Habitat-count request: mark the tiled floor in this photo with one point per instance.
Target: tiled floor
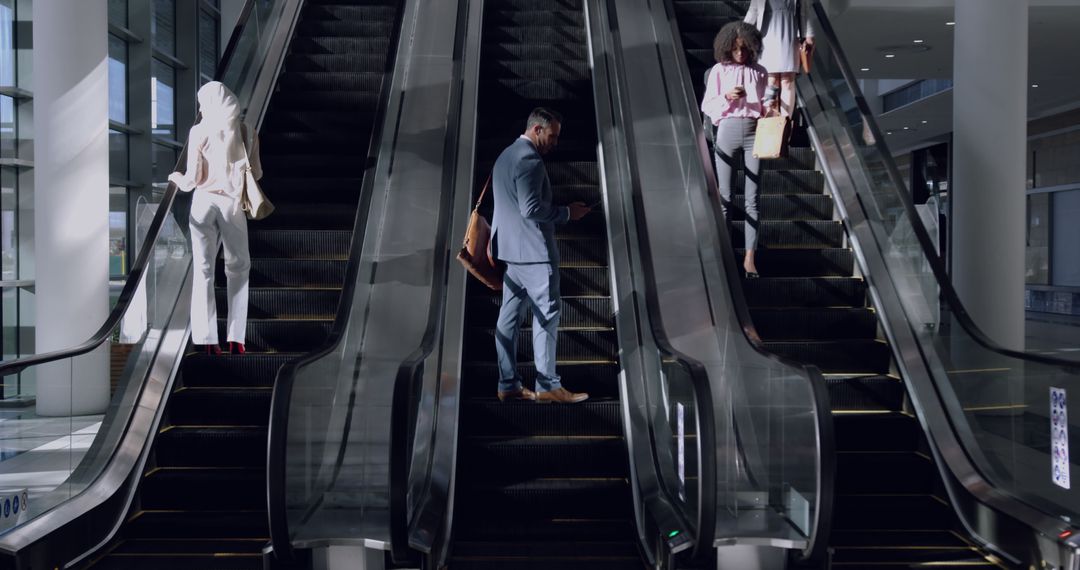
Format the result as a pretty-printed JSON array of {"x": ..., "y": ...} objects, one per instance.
[{"x": 1055, "y": 335}]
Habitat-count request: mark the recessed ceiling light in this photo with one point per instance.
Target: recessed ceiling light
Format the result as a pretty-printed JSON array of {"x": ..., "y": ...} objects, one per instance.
[
  {"x": 1034, "y": 84},
  {"x": 924, "y": 122},
  {"x": 889, "y": 133},
  {"x": 865, "y": 69},
  {"x": 906, "y": 128},
  {"x": 950, "y": 23},
  {"x": 919, "y": 41},
  {"x": 890, "y": 55}
]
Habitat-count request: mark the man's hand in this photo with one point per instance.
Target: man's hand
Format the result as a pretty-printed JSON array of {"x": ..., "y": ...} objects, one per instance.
[{"x": 578, "y": 210}]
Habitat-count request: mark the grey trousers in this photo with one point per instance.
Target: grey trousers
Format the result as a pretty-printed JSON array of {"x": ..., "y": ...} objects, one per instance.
[
  {"x": 732, "y": 135},
  {"x": 529, "y": 288}
]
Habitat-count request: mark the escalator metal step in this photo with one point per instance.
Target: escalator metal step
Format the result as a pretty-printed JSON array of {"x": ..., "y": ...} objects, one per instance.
[
  {"x": 816, "y": 323},
  {"x": 788, "y": 207},
  {"x": 525, "y": 458},
  {"x": 317, "y": 273},
  {"x": 481, "y": 378},
  {"x": 806, "y": 292},
  {"x": 280, "y": 335},
  {"x": 594, "y": 417},
  {"x": 577, "y": 345},
  {"x": 804, "y": 262},
  {"x": 837, "y": 356},
  {"x": 331, "y": 80},
  {"x": 211, "y": 524},
  {"x": 204, "y": 489},
  {"x": 219, "y": 406},
  {"x": 794, "y": 234},
  {"x": 885, "y": 472},
  {"x": 251, "y": 369},
  {"x": 204, "y": 446},
  {"x": 867, "y": 393},
  {"x": 299, "y": 244}
]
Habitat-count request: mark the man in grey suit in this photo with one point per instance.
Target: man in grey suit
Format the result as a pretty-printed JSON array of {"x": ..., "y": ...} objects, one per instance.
[{"x": 523, "y": 236}]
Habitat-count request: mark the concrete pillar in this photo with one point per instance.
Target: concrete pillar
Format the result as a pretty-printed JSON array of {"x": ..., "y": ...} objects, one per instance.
[
  {"x": 71, "y": 199},
  {"x": 990, "y": 140}
]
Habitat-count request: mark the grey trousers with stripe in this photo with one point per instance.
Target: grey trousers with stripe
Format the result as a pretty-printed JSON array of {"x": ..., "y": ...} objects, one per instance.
[{"x": 734, "y": 134}]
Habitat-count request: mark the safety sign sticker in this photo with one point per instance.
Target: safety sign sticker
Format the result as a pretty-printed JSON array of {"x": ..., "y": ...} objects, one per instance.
[{"x": 1059, "y": 437}]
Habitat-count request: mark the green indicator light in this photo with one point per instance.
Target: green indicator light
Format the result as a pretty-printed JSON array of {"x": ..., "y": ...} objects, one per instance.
[{"x": 673, "y": 534}]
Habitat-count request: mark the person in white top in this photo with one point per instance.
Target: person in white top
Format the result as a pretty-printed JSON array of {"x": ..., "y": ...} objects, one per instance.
[
  {"x": 786, "y": 29},
  {"x": 218, "y": 158}
]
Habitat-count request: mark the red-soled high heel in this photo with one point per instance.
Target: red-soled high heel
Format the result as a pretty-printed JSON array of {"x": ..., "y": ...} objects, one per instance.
[{"x": 236, "y": 348}]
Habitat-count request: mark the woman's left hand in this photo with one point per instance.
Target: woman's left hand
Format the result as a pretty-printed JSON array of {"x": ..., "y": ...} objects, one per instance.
[{"x": 808, "y": 43}]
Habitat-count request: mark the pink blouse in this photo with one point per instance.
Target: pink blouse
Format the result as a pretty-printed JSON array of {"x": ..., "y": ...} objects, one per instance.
[{"x": 723, "y": 77}]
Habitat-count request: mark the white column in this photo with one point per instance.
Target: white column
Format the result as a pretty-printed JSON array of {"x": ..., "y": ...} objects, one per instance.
[
  {"x": 71, "y": 199},
  {"x": 990, "y": 140}
]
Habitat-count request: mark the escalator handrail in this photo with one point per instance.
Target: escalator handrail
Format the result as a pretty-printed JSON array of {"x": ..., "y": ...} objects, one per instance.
[
  {"x": 142, "y": 260},
  {"x": 281, "y": 396},
  {"x": 407, "y": 383},
  {"x": 937, "y": 265},
  {"x": 704, "y": 526},
  {"x": 818, "y": 539}
]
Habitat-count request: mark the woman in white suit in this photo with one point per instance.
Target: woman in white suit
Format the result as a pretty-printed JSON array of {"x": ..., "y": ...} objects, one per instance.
[
  {"x": 218, "y": 158},
  {"x": 786, "y": 29}
]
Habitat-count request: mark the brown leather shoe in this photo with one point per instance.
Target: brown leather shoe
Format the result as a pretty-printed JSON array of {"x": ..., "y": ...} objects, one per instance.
[
  {"x": 562, "y": 396},
  {"x": 519, "y": 394}
]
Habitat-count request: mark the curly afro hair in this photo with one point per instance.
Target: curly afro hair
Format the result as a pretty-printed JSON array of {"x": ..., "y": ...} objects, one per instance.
[{"x": 724, "y": 43}]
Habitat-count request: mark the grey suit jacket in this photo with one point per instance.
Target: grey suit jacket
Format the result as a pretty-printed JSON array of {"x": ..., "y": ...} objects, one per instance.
[{"x": 523, "y": 226}]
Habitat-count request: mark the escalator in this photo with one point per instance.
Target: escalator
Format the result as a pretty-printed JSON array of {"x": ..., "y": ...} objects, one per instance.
[
  {"x": 202, "y": 497},
  {"x": 544, "y": 485},
  {"x": 811, "y": 305}
]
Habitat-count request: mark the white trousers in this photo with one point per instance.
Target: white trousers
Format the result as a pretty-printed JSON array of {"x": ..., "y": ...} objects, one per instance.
[{"x": 216, "y": 222}]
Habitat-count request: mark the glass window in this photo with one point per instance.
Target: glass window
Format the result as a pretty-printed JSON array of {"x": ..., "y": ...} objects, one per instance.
[
  {"x": 163, "y": 26},
  {"x": 9, "y": 231},
  {"x": 118, "y": 59},
  {"x": 118, "y": 156},
  {"x": 164, "y": 162},
  {"x": 8, "y": 134},
  {"x": 7, "y": 42},
  {"x": 1054, "y": 159},
  {"x": 118, "y": 13},
  {"x": 208, "y": 45},
  {"x": 118, "y": 218},
  {"x": 1065, "y": 207},
  {"x": 11, "y": 324},
  {"x": 163, "y": 100},
  {"x": 1038, "y": 240}
]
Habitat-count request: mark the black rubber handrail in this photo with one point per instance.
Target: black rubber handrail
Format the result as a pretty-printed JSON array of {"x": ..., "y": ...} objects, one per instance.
[
  {"x": 409, "y": 380},
  {"x": 142, "y": 260},
  {"x": 900, "y": 188},
  {"x": 281, "y": 398},
  {"x": 818, "y": 540}
]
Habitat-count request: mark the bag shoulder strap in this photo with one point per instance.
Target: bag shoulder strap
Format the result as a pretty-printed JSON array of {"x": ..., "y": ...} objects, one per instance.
[{"x": 482, "y": 193}]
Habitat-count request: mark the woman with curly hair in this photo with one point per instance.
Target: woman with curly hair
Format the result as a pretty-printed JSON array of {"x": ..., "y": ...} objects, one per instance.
[
  {"x": 734, "y": 100},
  {"x": 785, "y": 29}
]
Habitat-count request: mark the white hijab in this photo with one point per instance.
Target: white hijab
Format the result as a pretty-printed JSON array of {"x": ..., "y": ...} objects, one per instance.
[{"x": 221, "y": 125}]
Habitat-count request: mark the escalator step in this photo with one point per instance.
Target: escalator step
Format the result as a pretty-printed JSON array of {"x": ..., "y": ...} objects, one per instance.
[
  {"x": 480, "y": 379},
  {"x": 797, "y": 159},
  {"x": 574, "y": 345},
  {"x": 279, "y": 335},
  {"x": 884, "y": 472},
  {"x": 534, "y": 52},
  {"x": 806, "y": 292},
  {"x": 338, "y": 48},
  {"x": 692, "y": 12},
  {"x": 354, "y": 28},
  {"x": 204, "y": 489},
  {"x": 547, "y": 5},
  {"x": 786, "y": 182},
  {"x": 181, "y": 561},
  {"x": 911, "y": 557},
  {"x": 523, "y": 459},
  {"x": 877, "y": 432},
  {"x": 220, "y": 406},
  {"x": 283, "y": 143},
  {"x": 535, "y": 18},
  {"x": 295, "y": 165},
  {"x": 568, "y": 529},
  {"x": 817, "y": 323},
  {"x": 540, "y": 499},
  {"x": 340, "y": 101},
  {"x": 786, "y": 207},
  {"x": 304, "y": 80},
  {"x": 329, "y": 126},
  {"x": 575, "y": 311},
  {"x": 300, "y": 244},
  {"x": 280, "y": 303},
  {"x": 593, "y": 417},
  {"x": 308, "y": 217},
  {"x": 534, "y": 34},
  {"x": 582, "y": 252},
  {"x": 583, "y": 562},
  {"x": 866, "y": 393},
  {"x": 346, "y": 12},
  {"x": 892, "y": 512},
  {"x": 233, "y": 370},
  {"x": 569, "y": 92},
  {"x": 793, "y": 235},
  {"x": 216, "y": 525},
  {"x": 837, "y": 356},
  {"x": 810, "y": 262},
  {"x": 931, "y": 538},
  {"x": 317, "y": 273},
  {"x": 580, "y": 553},
  {"x": 211, "y": 447},
  {"x": 148, "y": 546},
  {"x": 565, "y": 70},
  {"x": 343, "y": 191}
]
